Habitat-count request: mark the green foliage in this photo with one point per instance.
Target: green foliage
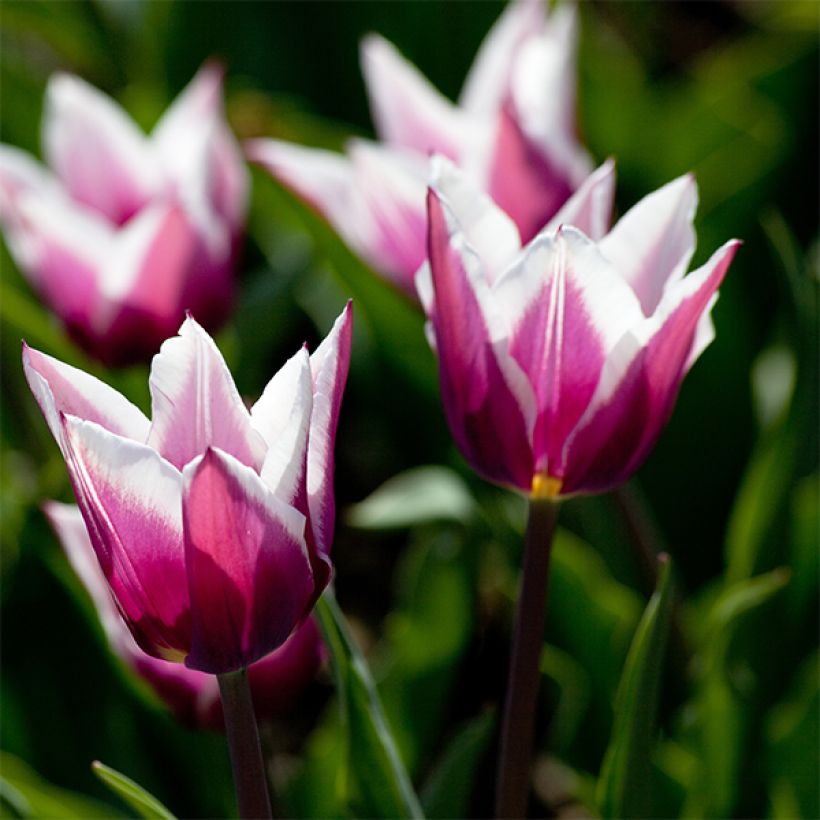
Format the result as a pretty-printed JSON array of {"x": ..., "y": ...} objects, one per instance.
[
  {"x": 625, "y": 784},
  {"x": 24, "y": 794},
  {"x": 376, "y": 783},
  {"x": 728, "y": 692},
  {"x": 146, "y": 805},
  {"x": 448, "y": 789}
]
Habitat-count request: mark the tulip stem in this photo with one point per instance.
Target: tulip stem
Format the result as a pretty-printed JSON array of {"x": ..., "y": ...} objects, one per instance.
[
  {"x": 517, "y": 730},
  {"x": 243, "y": 743}
]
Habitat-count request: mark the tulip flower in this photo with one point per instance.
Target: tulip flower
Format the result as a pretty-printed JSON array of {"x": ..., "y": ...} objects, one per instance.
[
  {"x": 122, "y": 233},
  {"x": 513, "y": 131},
  {"x": 276, "y": 680},
  {"x": 212, "y": 524},
  {"x": 560, "y": 361}
]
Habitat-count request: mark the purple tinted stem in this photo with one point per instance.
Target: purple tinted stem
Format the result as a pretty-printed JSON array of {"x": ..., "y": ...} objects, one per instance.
[
  {"x": 243, "y": 743},
  {"x": 515, "y": 759}
]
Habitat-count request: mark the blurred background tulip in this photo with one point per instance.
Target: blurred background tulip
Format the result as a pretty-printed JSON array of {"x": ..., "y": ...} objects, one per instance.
[
  {"x": 121, "y": 233},
  {"x": 513, "y": 130}
]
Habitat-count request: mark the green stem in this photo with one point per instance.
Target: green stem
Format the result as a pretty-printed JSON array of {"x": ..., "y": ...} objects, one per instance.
[
  {"x": 243, "y": 743},
  {"x": 515, "y": 758}
]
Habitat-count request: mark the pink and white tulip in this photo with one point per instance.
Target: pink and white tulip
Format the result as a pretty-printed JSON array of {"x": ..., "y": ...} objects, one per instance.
[
  {"x": 513, "y": 131},
  {"x": 123, "y": 233},
  {"x": 560, "y": 361},
  {"x": 276, "y": 680},
  {"x": 212, "y": 523}
]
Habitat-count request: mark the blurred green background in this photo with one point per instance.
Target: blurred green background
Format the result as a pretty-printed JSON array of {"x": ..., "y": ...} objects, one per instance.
[{"x": 426, "y": 568}]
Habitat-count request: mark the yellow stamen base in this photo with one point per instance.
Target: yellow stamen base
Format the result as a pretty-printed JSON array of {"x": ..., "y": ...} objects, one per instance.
[
  {"x": 173, "y": 655},
  {"x": 545, "y": 486}
]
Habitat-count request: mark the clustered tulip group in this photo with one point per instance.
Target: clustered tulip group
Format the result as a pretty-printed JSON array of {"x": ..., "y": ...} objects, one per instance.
[{"x": 204, "y": 534}]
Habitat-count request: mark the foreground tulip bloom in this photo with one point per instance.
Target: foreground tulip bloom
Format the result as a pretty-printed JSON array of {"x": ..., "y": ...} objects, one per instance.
[
  {"x": 212, "y": 524},
  {"x": 276, "y": 680},
  {"x": 513, "y": 131},
  {"x": 560, "y": 363},
  {"x": 123, "y": 233}
]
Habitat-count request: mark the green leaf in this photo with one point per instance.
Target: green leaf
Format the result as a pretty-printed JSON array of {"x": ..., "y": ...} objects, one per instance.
[
  {"x": 580, "y": 582},
  {"x": 573, "y": 696},
  {"x": 377, "y": 782},
  {"x": 727, "y": 695},
  {"x": 425, "y": 638},
  {"x": 624, "y": 789},
  {"x": 146, "y": 805},
  {"x": 792, "y": 732},
  {"x": 418, "y": 496},
  {"x": 23, "y": 793},
  {"x": 447, "y": 790}
]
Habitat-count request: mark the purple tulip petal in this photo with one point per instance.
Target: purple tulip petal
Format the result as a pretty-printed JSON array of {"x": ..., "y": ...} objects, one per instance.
[
  {"x": 329, "y": 364},
  {"x": 144, "y": 280},
  {"x": 62, "y": 389},
  {"x": 131, "y": 500},
  {"x": 96, "y": 150},
  {"x": 653, "y": 242},
  {"x": 195, "y": 402},
  {"x": 486, "y": 418},
  {"x": 567, "y": 309},
  {"x": 407, "y": 110},
  {"x": 248, "y": 568},
  {"x": 391, "y": 185},
  {"x": 524, "y": 181},
  {"x": 639, "y": 384}
]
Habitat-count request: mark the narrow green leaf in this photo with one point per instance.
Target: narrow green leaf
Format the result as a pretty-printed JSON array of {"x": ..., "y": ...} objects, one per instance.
[
  {"x": 448, "y": 788},
  {"x": 418, "y": 496},
  {"x": 792, "y": 730},
  {"x": 727, "y": 695},
  {"x": 377, "y": 782},
  {"x": 573, "y": 696},
  {"x": 23, "y": 793},
  {"x": 146, "y": 805},
  {"x": 624, "y": 789}
]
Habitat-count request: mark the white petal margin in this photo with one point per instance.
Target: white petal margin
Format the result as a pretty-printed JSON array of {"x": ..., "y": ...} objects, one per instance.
[
  {"x": 653, "y": 242},
  {"x": 590, "y": 208},
  {"x": 489, "y": 79},
  {"x": 489, "y": 231},
  {"x": 132, "y": 503},
  {"x": 641, "y": 334},
  {"x": 329, "y": 366},
  {"x": 282, "y": 418},
  {"x": 195, "y": 403},
  {"x": 93, "y": 145},
  {"x": 61, "y": 388},
  {"x": 197, "y": 105},
  {"x": 408, "y": 111}
]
